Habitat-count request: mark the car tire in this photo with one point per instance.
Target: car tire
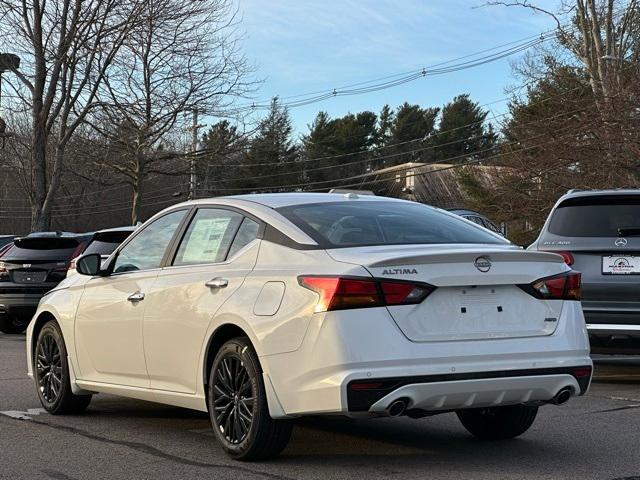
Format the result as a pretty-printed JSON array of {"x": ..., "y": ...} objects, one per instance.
[
  {"x": 11, "y": 325},
  {"x": 498, "y": 423},
  {"x": 51, "y": 373},
  {"x": 238, "y": 407}
]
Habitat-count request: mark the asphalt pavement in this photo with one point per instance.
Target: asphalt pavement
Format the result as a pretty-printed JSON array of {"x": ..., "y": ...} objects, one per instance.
[{"x": 591, "y": 437}]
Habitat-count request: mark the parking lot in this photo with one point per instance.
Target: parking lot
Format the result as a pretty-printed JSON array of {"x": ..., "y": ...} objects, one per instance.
[{"x": 593, "y": 437}]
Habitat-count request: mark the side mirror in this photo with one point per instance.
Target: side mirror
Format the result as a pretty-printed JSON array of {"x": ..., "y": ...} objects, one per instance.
[{"x": 89, "y": 264}]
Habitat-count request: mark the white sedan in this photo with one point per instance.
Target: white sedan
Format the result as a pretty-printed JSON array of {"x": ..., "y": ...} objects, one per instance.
[{"x": 263, "y": 308}]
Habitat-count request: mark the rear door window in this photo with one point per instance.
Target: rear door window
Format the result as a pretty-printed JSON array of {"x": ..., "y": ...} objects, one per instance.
[
  {"x": 247, "y": 233},
  {"x": 595, "y": 216},
  {"x": 209, "y": 236}
]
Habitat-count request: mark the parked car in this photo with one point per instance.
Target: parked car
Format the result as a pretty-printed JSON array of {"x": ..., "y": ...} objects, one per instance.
[
  {"x": 478, "y": 218},
  {"x": 103, "y": 242},
  {"x": 29, "y": 268},
  {"x": 598, "y": 233},
  {"x": 6, "y": 240},
  {"x": 264, "y": 308}
]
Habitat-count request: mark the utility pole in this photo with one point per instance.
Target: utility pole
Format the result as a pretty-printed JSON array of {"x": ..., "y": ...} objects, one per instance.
[{"x": 194, "y": 149}]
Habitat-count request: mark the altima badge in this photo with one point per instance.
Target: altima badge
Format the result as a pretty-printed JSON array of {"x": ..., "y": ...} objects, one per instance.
[{"x": 483, "y": 264}]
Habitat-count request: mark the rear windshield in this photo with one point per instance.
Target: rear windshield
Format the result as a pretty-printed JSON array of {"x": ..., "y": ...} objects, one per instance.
[
  {"x": 595, "y": 217},
  {"x": 349, "y": 224},
  {"x": 104, "y": 243},
  {"x": 41, "y": 249}
]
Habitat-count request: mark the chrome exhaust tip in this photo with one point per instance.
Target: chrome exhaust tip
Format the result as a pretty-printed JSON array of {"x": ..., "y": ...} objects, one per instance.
[
  {"x": 562, "y": 396},
  {"x": 397, "y": 408}
]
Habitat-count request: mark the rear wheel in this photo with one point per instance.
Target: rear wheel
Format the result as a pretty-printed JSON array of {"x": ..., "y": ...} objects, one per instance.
[
  {"x": 12, "y": 325},
  {"x": 51, "y": 372},
  {"x": 498, "y": 423},
  {"x": 238, "y": 405}
]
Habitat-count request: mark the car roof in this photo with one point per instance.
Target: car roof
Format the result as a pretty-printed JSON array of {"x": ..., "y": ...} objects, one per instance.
[
  {"x": 126, "y": 228},
  {"x": 276, "y": 200},
  {"x": 611, "y": 191},
  {"x": 262, "y": 205},
  {"x": 56, "y": 235}
]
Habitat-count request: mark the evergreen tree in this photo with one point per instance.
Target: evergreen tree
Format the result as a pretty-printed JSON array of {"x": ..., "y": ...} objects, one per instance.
[
  {"x": 411, "y": 127},
  {"x": 320, "y": 141},
  {"x": 462, "y": 132},
  {"x": 350, "y": 138},
  {"x": 218, "y": 168},
  {"x": 383, "y": 129},
  {"x": 273, "y": 152}
]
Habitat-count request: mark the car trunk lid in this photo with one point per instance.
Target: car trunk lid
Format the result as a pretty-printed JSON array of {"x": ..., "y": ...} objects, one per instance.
[{"x": 477, "y": 294}]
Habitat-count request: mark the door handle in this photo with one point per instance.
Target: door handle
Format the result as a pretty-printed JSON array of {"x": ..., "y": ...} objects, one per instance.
[
  {"x": 217, "y": 282},
  {"x": 136, "y": 297}
]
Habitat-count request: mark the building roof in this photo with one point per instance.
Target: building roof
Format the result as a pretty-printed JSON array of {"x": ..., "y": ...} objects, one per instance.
[{"x": 435, "y": 184}]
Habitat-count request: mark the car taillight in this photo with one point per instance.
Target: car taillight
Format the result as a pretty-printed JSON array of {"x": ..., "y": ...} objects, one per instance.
[
  {"x": 5, "y": 249},
  {"x": 565, "y": 286},
  {"x": 74, "y": 255},
  {"x": 339, "y": 293},
  {"x": 566, "y": 256}
]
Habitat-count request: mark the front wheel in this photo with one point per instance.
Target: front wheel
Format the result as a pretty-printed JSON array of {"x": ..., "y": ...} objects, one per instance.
[
  {"x": 498, "y": 423},
  {"x": 238, "y": 405},
  {"x": 51, "y": 372}
]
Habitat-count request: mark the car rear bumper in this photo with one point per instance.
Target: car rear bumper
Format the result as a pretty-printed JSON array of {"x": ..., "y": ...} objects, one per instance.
[
  {"x": 366, "y": 347},
  {"x": 19, "y": 305},
  {"x": 458, "y": 391},
  {"x": 608, "y": 338},
  {"x": 614, "y": 328}
]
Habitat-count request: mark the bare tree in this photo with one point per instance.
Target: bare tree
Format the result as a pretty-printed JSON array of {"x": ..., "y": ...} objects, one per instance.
[
  {"x": 182, "y": 57},
  {"x": 603, "y": 35},
  {"x": 578, "y": 124},
  {"x": 66, "y": 47}
]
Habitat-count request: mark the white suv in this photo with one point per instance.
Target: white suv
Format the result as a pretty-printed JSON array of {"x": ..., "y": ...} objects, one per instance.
[{"x": 263, "y": 308}]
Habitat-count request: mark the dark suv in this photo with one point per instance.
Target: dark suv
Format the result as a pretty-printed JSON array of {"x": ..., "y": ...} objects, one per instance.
[
  {"x": 478, "y": 218},
  {"x": 32, "y": 266},
  {"x": 598, "y": 233}
]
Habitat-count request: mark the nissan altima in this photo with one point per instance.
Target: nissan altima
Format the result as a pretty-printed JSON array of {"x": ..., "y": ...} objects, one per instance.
[{"x": 259, "y": 309}]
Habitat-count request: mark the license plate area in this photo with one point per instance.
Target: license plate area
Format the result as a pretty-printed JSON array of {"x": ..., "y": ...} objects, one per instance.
[
  {"x": 28, "y": 277},
  {"x": 620, "y": 265},
  {"x": 476, "y": 313}
]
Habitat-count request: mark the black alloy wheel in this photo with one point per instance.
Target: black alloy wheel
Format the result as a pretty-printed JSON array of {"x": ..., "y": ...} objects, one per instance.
[
  {"x": 51, "y": 373},
  {"x": 234, "y": 399},
  {"x": 237, "y": 404},
  {"x": 49, "y": 368}
]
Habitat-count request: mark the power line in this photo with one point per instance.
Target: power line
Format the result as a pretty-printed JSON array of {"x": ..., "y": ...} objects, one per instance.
[
  {"x": 384, "y": 157},
  {"x": 203, "y": 152},
  {"x": 105, "y": 208},
  {"x": 398, "y": 79},
  {"x": 361, "y": 161},
  {"x": 333, "y": 181},
  {"x": 498, "y": 52}
]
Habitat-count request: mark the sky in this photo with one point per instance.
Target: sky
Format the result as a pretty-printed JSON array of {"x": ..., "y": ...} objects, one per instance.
[{"x": 300, "y": 46}]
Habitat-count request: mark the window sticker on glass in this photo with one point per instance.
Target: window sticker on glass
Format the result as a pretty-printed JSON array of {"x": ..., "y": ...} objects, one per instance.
[{"x": 205, "y": 240}]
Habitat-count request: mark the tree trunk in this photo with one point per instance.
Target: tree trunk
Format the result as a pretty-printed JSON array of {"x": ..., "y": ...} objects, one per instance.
[
  {"x": 136, "y": 208},
  {"x": 39, "y": 221}
]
